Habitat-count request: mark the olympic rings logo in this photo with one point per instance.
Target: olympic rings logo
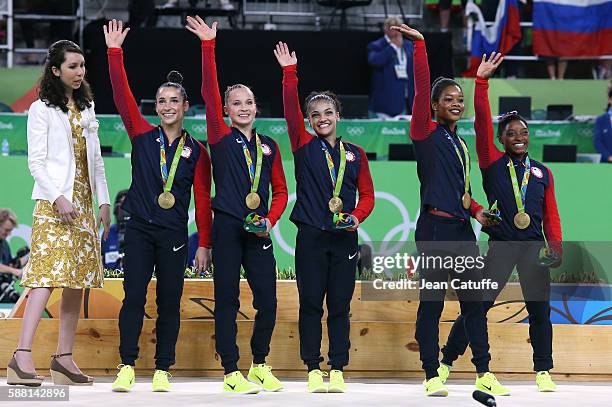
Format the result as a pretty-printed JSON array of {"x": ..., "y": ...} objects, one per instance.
[
  {"x": 199, "y": 128},
  {"x": 387, "y": 245},
  {"x": 355, "y": 131},
  {"x": 278, "y": 129},
  {"x": 118, "y": 126},
  {"x": 585, "y": 132}
]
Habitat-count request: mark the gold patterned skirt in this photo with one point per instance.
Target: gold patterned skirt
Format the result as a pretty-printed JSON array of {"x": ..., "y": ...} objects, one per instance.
[{"x": 63, "y": 255}]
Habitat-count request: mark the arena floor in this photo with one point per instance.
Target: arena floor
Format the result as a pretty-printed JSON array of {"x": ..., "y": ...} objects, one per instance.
[{"x": 189, "y": 392}]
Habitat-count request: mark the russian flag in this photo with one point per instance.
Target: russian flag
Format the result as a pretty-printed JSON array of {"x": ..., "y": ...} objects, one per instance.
[
  {"x": 572, "y": 28},
  {"x": 502, "y": 36}
]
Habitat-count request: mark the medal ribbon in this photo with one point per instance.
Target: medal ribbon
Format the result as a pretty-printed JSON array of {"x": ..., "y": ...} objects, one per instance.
[
  {"x": 519, "y": 196},
  {"x": 168, "y": 179},
  {"x": 254, "y": 169},
  {"x": 336, "y": 180},
  {"x": 466, "y": 165}
]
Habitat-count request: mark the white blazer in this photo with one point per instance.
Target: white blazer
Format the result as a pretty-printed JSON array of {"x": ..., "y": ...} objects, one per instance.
[{"x": 51, "y": 154}]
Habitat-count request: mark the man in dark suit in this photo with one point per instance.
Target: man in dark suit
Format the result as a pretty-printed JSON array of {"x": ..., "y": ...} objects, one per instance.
[
  {"x": 392, "y": 87},
  {"x": 603, "y": 132}
]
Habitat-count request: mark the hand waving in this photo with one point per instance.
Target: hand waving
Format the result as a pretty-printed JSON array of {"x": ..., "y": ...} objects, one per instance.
[
  {"x": 488, "y": 66},
  {"x": 114, "y": 34},
  {"x": 283, "y": 56},
  {"x": 409, "y": 32},
  {"x": 199, "y": 27}
]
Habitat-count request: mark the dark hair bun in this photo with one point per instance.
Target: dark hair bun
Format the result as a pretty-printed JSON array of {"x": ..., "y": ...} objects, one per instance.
[{"x": 175, "y": 77}]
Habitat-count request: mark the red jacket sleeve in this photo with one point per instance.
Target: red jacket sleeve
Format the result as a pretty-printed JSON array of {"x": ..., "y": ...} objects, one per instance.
[
  {"x": 135, "y": 124},
  {"x": 474, "y": 208},
  {"x": 421, "y": 125},
  {"x": 201, "y": 193},
  {"x": 551, "y": 221},
  {"x": 365, "y": 187},
  {"x": 215, "y": 125},
  {"x": 279, "y": 189},
  {"x": 293, "y": 114},
  {"x": 488, "y": 153}
]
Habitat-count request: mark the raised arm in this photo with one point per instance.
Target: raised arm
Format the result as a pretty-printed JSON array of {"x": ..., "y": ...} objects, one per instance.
[
  {"x": 135, "y": 124},
  {"x": 551, "y": 222},
  {"x": 421, "y": 125},
  {"x": 365, "y": 187},
  {"x": 99, "y": 170},
  {"x": 488, "y": 153},
  {"x": 380, "y": 53},
  {"x": 293, "y": 114},
  {"x": 279, "y": 189},
  {"x": 217, "y": 128},
  {"x": 201, "y": 193}
]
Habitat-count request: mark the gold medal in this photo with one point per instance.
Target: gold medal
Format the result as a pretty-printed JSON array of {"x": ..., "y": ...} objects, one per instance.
[
  {"x": 466, "y": 200},
  {"x": 253, "y": 200},
  {"x": 166, "y": 200},
  {"x": 335, "y": 204},
  {"x": 522, "y": 220}
]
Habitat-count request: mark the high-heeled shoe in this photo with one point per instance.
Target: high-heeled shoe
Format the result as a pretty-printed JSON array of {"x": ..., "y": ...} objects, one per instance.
[
  {"x": 62, "y": 376},
  {"x": 16, "y": 376}
]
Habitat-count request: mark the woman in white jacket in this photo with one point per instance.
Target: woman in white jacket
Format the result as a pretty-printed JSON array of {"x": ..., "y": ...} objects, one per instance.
[{"x": 65, "y": 161}]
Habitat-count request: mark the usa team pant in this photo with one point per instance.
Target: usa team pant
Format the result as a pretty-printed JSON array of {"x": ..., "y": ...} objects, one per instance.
[
  {"x": 234, "y": 247},
  {"x": 440, "y": 236},
  {"x": 150, "y": 247},
  {"x": 535, "y": 284},
  {"x": 325, "y": 265}
]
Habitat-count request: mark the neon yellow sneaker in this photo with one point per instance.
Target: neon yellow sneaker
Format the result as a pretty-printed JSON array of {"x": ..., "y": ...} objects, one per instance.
[
  {"x": 160, "y": 381},
  {"x": 262, "y": 376},
  {"x": 126, "y": 378},
  {"x": 236, "y": 383},
  {"x": 336, "y": 382},
  {"x": 443, "y": 372},
  {"x": 435, "y": 387},
  {"x": 315, "y": 381},
  {"x": 489, "y": 384},
  {"x": 545, "y": 382}
]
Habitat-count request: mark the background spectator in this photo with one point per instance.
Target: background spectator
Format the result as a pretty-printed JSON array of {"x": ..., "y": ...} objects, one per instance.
[
  {"x": 392, "y": 87},
  {"x": 444, "y": 7},
  {"x": 556, "y": 67},
  {"x": 8, "y": 222},
  {"x": 141, "y": 11},
  {"x": 9, "y": 267},
  {"x": 603, "y": 132},
  {"x": 113, "y": 246}
]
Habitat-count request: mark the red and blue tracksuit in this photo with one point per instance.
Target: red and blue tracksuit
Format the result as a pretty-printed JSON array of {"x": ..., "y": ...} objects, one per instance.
[
  {"x": 325, "y": 258},
  {"x": 442, "y": 219},
  {"x": 510, "y": 246},
  {"x": 156, "y": 238},
  {"x": 232, "y": 245}
]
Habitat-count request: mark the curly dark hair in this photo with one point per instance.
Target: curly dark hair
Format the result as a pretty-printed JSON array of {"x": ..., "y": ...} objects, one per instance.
[
  {"x": 51, "y": 88},
  {"x": 323, "y": 95}
]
